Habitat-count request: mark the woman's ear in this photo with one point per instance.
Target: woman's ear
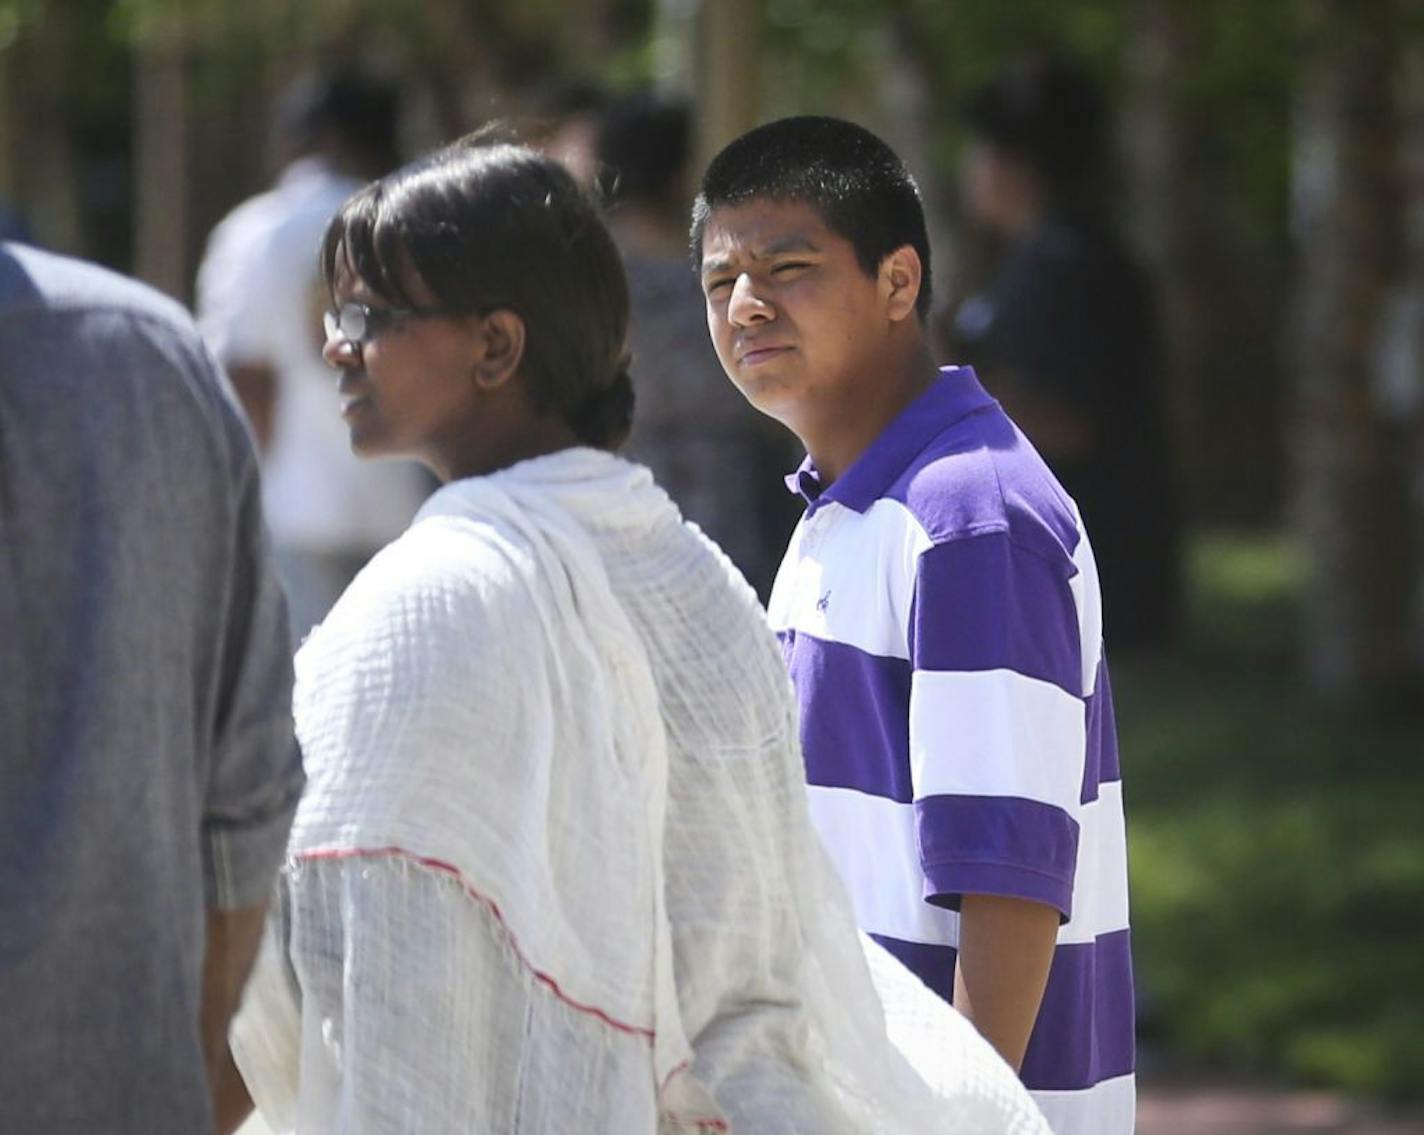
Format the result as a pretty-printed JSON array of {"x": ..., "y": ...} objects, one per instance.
[
  {"x": 501, "y": 342},
  {"x": 900, "y": 277}
]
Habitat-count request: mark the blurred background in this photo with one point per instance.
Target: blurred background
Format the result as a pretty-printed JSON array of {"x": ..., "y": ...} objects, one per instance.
[{"x": 1240, "y": 218}]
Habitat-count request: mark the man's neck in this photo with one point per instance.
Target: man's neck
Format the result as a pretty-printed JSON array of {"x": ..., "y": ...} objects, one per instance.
[
  {"x": 840, "y": 433},
  {"x": 1023, "y": 216}
]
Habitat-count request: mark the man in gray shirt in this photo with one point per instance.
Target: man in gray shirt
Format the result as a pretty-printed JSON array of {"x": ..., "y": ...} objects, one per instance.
[{"x": 148, "y": 768}]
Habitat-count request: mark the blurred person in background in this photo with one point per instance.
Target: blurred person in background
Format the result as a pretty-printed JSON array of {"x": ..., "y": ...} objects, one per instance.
[
  {"x": 148, "y": 767},
  {"x": 563, "y": 123},
  {"x": 13, "y": 226},
  {"x": 1066, "y": 334},
  {"x": 716, "y": 456},
  {"x": 259, "y": 304}
]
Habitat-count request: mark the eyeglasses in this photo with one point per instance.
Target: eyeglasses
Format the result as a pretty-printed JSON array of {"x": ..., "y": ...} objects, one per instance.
[{"x": 358, "y": 323}]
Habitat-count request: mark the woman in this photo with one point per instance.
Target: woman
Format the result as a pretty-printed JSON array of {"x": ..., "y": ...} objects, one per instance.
[{"x": 553, "y": 871}]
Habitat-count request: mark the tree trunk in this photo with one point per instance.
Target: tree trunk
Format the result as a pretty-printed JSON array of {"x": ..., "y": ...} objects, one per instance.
[
  {"x": 675, "y": 45},
  {"x": 910, "y": 116},
  {"x": 1166, "y": 209},
  {"x": 1402, "y": 348},
  {"x": 46, "y": 170},
  {"x": 7, "y": 128},
  {"x": 728, "y": 70},
  {"x": 161, "y": 242},
  {"x": 1357, "y": 515}
]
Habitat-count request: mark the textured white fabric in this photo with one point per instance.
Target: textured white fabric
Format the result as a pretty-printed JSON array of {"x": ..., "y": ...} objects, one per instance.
[{"x": 554, "y": 871}]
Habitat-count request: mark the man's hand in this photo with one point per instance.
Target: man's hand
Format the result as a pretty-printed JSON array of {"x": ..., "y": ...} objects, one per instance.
[
  {"x": 1005, "y": 949},
  {"x": 233, "y": 938}
]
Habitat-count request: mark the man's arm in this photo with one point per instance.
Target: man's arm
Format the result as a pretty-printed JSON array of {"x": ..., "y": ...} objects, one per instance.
[
  {"x": 1005, "y": 949},
  {"x": 997, "y": 755},
  {"x": 231, "y": 1102},
  {"x": 256, "y": 387},
  {"x": 232, "y": 940},
  {"x": 253, "y": 783}
]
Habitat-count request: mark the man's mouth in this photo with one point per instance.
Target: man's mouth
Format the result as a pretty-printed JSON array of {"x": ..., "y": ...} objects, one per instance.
[{"x": 758, "y": 355}]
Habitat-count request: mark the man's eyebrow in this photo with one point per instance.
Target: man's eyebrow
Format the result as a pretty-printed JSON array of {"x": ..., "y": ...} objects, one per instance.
[{"x": 794, "y": 243}]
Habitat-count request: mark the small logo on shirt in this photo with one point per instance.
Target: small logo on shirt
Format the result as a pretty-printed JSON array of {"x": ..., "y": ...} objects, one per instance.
[{"x": 823, "y": 604}]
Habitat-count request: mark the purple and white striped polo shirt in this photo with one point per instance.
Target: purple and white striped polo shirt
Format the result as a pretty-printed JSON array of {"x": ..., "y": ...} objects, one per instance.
[{"x": 939, "y": 611}]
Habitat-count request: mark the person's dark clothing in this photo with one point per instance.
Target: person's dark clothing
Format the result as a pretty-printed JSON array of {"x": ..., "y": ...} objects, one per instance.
[{"x": 1070, "y": 318}]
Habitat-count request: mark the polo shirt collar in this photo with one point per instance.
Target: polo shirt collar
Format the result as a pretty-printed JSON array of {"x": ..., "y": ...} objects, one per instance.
[{"x": 954, "y": 395}]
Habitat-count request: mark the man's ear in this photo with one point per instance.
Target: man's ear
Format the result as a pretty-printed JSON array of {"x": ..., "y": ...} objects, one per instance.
[
  {"x": 501, "y": 348},
  {"x": 900, "y": 276}
]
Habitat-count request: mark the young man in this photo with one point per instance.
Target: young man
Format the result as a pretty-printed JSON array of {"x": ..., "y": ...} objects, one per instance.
[{"x": 939, "y": 611}]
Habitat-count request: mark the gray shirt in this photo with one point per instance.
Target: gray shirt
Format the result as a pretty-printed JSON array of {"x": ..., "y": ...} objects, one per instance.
[{"x": 148, "y": 768}]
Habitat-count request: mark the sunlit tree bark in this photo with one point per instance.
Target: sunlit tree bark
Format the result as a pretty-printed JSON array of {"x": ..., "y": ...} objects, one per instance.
[
  {"x": 161, "y": 143},
  {"x": 1357, "y": 514}
]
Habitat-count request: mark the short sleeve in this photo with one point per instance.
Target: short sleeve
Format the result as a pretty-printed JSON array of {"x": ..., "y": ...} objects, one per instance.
[{"x": 997, "y": 722}]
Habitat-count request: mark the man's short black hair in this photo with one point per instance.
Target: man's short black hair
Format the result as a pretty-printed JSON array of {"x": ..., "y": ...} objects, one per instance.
[
  {"x": 857, "y": 184},
  {"x": 643, "y": 143},
  {"x": 357, "y": 108},
  {"x": 1047, "y": 113}
]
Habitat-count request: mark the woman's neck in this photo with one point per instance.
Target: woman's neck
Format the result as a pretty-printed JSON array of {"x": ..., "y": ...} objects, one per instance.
[{"x": 545, "y": 434}]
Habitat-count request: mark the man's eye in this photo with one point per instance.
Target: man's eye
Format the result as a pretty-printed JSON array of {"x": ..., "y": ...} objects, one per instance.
[
  {"x": 789, "y": 266},
  {"x": 714, "y": 286}
]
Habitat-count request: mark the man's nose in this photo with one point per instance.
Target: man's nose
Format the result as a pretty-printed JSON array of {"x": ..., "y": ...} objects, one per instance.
[{"x": 746, "y": 305}]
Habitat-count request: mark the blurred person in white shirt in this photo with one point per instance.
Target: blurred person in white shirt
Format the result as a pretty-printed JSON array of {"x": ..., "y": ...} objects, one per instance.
[{"x": 259, "y": 303}]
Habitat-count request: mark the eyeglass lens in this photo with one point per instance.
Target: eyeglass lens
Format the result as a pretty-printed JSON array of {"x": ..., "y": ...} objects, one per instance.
[{"x": 348, "y": 322}]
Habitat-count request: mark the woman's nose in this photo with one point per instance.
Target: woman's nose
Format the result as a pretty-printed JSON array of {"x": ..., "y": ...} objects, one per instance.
[{"x": 340, "y": 352}]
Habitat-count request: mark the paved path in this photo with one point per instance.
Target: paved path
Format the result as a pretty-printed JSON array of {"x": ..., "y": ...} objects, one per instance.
[
  {"x": 1206, "y": 1109},
  {"x": 1200, "y": 1109}
]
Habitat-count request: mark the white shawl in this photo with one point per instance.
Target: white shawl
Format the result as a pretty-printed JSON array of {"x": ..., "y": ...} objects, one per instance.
[{"x": 553, "y": 871}]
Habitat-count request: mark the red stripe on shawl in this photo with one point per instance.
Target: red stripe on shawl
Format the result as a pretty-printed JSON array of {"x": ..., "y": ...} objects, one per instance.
[
  {"x": 489, "y": 904},
  {"x": 440, "y": 865}
]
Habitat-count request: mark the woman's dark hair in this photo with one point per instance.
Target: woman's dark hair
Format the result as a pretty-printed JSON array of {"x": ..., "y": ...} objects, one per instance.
[
  {"x": 489, "y": 226},
  {"x": 856, "y": 182}
]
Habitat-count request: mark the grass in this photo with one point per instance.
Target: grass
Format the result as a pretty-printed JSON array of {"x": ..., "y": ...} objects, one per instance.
[{"x": 1277, "y": 846}]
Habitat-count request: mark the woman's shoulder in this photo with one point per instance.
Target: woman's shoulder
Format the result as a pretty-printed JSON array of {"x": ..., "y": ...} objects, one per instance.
[{"x": 444, "y": 575}]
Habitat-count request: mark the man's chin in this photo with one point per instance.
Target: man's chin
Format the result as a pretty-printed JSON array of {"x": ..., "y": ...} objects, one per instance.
[{"x": 774, "y": 399}]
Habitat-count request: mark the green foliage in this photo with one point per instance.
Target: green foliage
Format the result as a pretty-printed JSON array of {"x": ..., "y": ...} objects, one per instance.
[
  {"x": 1277, "y": 854},
  {"x": 16, "y": 16},
  {"x": 276, "y": 23}
]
